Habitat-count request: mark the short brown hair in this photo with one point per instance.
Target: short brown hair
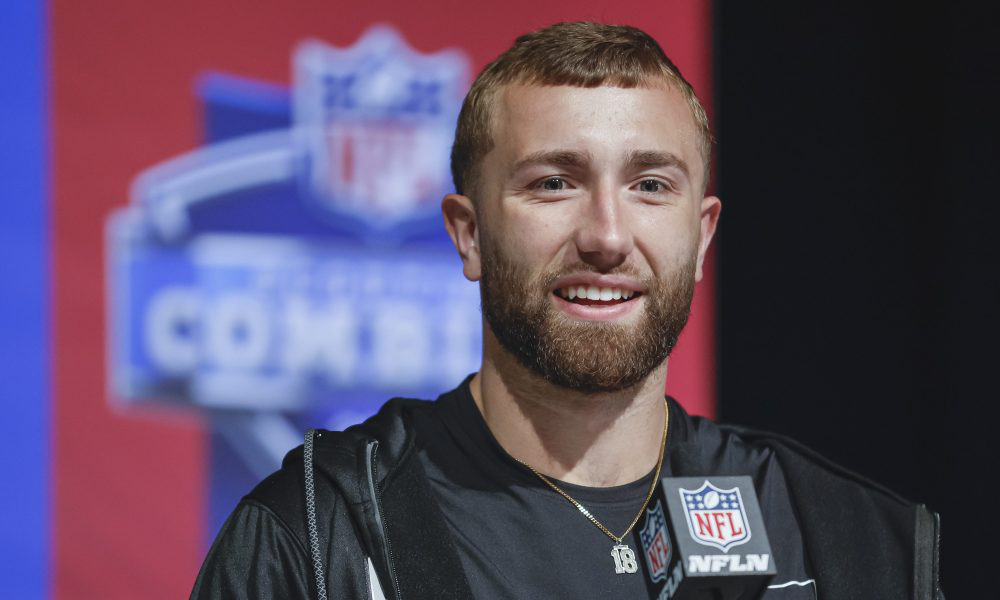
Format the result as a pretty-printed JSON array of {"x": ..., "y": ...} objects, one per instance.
[{"x": 577, "y": 54}]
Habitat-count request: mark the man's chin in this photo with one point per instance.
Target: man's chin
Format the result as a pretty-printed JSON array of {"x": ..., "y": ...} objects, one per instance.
[
  {"x": 591, "y": 383},
  {"x": 584, "y": 356}
]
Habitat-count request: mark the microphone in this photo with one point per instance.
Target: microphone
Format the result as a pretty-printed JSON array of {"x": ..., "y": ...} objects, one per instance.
[{"x": 702, "y": 537}]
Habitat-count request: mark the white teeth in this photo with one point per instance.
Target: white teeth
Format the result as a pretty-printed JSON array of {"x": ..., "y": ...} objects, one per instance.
[{"x": 593, "y": 292}]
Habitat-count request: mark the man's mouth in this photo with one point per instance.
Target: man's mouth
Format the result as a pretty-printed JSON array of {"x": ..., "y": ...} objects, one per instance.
[{"x": 596, "y": 296}]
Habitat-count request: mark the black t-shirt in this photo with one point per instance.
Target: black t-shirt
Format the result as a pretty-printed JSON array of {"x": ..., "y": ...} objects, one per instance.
[{"x": 517, "y": 538}]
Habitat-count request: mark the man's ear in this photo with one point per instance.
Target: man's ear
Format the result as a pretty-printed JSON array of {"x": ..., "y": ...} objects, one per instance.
[
  {"x": 711, "y": 206},
  {"x": 460, "y": 221}
]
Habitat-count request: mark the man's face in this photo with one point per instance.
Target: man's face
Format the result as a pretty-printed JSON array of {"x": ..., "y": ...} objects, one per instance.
[{"x": 591, "y": 230}]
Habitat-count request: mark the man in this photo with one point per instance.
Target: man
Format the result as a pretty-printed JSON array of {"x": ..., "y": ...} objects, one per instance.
[{"x": 580, "y": 163}]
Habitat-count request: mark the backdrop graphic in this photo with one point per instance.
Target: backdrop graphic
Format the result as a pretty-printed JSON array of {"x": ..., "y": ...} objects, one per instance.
[
  {"x": 281, "y": 277},
  {"x": 244, "y": 228}
]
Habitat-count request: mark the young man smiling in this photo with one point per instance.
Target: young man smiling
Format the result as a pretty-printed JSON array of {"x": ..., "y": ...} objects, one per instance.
[{"x": 580, "y": 163}]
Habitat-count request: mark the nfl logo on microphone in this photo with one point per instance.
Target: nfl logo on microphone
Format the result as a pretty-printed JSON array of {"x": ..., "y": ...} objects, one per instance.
[
  {"x": 656, "y": 542},
  {"x": 716, "y": 517}
]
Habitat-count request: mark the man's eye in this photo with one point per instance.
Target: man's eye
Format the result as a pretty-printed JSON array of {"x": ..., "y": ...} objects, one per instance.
[
  {"x": 553, "y": 184},
  {"x": 651, "y": 186}
]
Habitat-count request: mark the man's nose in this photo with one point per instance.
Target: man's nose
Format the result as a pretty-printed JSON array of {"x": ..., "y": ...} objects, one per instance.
[{"x": 604, "y": 235}]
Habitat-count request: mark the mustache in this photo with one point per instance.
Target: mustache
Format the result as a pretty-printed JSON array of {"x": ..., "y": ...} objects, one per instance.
[{"x": 626, "y": 269}]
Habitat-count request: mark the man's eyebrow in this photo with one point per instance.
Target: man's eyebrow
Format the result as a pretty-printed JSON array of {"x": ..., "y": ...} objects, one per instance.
[
  {"x": 559, "y": 158},
  {"x": 652, "y": 159}
]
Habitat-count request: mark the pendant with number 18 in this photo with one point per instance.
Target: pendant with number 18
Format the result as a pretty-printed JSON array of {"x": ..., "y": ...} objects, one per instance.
[{"x": 624, "y": 559}]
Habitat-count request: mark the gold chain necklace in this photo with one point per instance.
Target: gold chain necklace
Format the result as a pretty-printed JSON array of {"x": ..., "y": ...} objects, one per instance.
[{"x": 623, "y": 556}]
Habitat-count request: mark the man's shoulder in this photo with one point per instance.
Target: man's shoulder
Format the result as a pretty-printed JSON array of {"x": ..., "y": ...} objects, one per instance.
[
  {"x": 805, "y": 467},
  {"x": 801, "y": 465},
  {"x": 864, "y": 535},
  {"x": 271, "y": 525},
  {"x": 337, "y": 458}
]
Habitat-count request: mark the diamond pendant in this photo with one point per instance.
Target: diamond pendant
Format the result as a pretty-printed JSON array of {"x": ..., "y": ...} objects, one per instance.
[{"x": 624, "y": 559}]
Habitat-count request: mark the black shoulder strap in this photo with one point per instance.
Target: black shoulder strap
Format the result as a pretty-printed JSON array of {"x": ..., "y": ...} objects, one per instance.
[
  {"x": 926, "y": 583},
  {"x": 317, "y": 558},
  {"x": 425, "y": 559}
]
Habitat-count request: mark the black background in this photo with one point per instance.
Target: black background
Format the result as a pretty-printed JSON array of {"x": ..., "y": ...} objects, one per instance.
[{"x": 857, "y": 249}]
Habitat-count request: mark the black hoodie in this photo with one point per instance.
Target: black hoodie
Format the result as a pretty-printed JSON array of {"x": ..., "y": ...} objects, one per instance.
[{"x": 380, "y": 530}]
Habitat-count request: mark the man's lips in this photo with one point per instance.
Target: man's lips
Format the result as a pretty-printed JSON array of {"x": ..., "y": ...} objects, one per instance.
[
  {"x": 596, "y": 287},
  {"x": 589, "y": 302},
  {"x": 597, "y": 310},
  {"x": 592, "y": 294}
]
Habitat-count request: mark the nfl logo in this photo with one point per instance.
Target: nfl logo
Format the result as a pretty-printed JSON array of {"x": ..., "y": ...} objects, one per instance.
[
  {"x": 376, "y": 122},
  {"x": 715, "y": 516},
  {"x": 656, "y": 543}
]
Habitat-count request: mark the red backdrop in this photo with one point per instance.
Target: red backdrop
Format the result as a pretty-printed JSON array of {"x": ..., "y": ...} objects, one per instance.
[{"x": 129, "y": 488}]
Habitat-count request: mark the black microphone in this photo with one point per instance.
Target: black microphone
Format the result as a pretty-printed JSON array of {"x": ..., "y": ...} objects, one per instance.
[{"x": 702, "y": 536}]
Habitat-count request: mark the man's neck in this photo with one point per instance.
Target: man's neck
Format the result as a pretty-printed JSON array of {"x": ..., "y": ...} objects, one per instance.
[{"x": 598, "y": 440}]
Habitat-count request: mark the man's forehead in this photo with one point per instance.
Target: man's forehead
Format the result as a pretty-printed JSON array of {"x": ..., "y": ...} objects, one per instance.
[
  {"x": 641, "y": 124},
  {"x": 509, "y": 94}
]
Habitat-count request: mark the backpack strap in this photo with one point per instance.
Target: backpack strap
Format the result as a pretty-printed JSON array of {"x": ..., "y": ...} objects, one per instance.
[
  {"x": 926, "y": 582},
  {"x": 317, "y": 559}
]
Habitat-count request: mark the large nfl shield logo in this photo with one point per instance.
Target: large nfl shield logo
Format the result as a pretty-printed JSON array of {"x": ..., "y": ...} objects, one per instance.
[
  {"x": 656, "y": 543},
  {"x": 292, "y": 270},
  {"x": 715, "y": 516},
  {"x": 376, "y": 121}
]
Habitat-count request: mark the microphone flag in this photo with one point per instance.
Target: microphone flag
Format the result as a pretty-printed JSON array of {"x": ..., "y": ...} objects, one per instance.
[{"x": 704, "y": 537}]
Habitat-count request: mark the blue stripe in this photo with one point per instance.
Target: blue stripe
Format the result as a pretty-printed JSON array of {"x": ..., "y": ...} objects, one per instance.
[{"x": 24, "y": 301}]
